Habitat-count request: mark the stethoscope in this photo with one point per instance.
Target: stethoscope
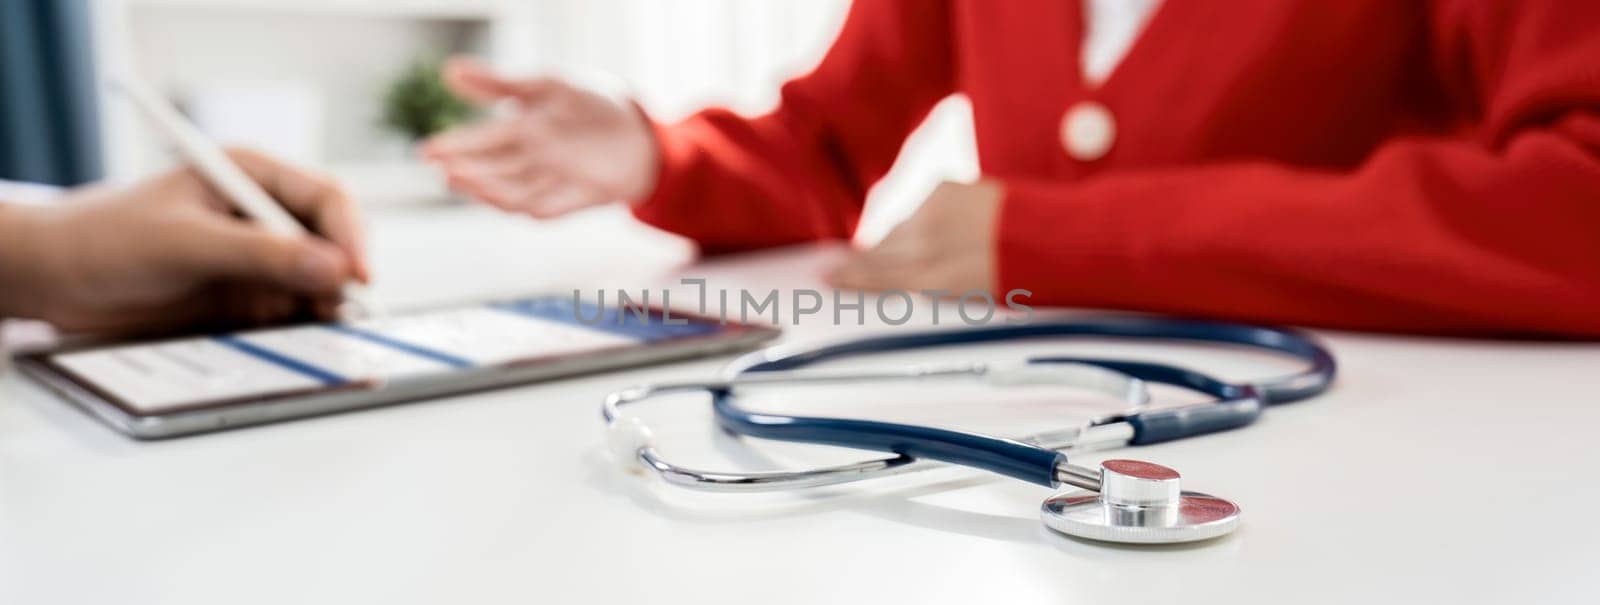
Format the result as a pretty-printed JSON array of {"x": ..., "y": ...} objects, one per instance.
[{"x": 1128, "y": 500}]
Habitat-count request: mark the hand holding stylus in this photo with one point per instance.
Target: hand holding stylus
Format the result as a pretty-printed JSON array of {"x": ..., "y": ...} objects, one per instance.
[
  {"x": 230, "y": 181},
  {"x": 168, "y": 253}
]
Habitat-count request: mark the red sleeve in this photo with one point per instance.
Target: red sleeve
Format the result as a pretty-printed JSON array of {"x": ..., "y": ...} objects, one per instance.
[
  {"x": 1496, "y": 231},
  {"x": 801, "y": 172}
]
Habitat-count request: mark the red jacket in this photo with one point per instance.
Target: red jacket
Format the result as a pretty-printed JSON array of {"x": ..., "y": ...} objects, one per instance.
[{"x": 1426, "y": 166}]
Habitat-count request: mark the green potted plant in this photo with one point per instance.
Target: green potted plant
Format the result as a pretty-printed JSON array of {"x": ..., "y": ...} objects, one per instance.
[{"x": 418, "y": 104}]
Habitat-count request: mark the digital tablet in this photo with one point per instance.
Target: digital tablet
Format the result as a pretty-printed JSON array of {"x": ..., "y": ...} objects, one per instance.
[{"x": 197, "y": 384}]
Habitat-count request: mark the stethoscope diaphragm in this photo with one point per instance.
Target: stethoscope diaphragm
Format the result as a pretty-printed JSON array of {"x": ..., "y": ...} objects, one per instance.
[{"x": 1142, "y": 503}]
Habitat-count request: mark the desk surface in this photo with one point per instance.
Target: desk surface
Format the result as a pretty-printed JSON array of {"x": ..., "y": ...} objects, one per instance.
[{"x": 1437, "y": 470}]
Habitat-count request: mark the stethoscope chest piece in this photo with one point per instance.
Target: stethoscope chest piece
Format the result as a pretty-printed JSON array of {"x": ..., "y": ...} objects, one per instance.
[{"x": 1139, "y": 503}]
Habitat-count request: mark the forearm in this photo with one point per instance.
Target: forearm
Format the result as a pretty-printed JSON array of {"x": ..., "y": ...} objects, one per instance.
[
  {"x": 712, "y": 189},
  {"x": 26, "y": 260},
  {"x": 802, "y": 171},
  {"x": 1429, "y": 236}
]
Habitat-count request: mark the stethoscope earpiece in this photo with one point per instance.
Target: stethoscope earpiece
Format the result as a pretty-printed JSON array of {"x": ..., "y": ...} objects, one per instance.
[{"x": 1140, "y": 503}]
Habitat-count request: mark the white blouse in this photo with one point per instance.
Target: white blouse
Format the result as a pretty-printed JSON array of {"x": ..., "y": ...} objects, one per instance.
[{"x": 1111, "y": 26}]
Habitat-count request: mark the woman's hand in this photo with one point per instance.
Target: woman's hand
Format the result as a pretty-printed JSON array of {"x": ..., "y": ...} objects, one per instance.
[
  {"x": 169, "y": 253},
  {"x": 560, "y": 148},
  {"x": 948, "y": 244}
]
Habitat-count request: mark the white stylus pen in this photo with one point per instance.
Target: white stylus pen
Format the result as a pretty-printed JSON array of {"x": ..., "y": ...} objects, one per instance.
[{"x": 242, "y": 191}]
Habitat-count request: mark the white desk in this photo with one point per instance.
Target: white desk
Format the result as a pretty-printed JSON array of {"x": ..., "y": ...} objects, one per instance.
[{"x": 1436, "y": 471}]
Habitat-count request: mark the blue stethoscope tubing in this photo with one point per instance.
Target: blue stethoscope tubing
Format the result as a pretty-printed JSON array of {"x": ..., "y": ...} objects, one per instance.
[{"x": 1236, "y": 405}]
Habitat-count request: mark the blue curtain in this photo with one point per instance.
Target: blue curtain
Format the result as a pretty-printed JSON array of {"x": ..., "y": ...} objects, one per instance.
[{"x": 49, "y": 130}]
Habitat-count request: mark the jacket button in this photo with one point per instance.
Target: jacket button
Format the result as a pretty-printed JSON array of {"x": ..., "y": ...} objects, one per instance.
[{"x": 1088, "y": 131}]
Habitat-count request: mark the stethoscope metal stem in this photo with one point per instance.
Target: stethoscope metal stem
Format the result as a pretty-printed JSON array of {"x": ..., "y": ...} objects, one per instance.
[
  {"x": 773, "y": 481},
  {"x": 1077, "y": 476},
  {"x": 1130, "y": 390},
  {"x": 746, "y": 482}
]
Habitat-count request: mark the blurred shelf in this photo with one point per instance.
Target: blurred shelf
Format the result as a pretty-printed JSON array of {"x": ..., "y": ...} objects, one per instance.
[
  {"x": 406, "y": 9},
  {"x": 344, "y": 52}
]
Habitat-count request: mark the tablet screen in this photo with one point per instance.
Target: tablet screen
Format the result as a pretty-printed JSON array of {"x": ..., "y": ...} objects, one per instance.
[{"x": 152, "y": 378}]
